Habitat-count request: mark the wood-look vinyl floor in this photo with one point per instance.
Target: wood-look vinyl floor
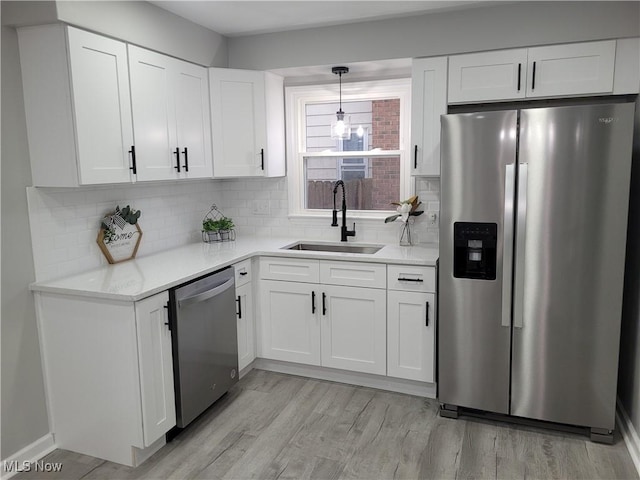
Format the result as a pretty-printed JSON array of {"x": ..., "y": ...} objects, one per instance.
[{"x": 275, "y": 426}]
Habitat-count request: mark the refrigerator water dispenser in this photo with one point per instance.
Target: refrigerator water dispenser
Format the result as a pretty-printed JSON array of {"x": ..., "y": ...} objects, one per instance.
[{"x": 474, "y": 250}]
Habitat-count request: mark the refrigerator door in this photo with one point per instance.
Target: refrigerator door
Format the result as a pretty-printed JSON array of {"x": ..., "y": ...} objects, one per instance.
[
  {"x": 570, "y": 249},
  {"x": 477, "y": 183}
]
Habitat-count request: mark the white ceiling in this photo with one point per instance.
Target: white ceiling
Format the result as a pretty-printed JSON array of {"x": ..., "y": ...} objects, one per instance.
[{"x": 246, "y": 17}]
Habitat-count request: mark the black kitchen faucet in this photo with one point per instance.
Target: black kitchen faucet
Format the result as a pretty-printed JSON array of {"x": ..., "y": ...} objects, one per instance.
[{"x": 344, "y": 233}]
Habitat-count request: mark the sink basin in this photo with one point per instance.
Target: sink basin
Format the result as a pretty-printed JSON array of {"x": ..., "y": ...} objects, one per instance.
[{"x": 333, "y": 247}]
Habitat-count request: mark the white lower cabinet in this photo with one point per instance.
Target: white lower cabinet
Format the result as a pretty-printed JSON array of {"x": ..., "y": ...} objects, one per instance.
[
  {"x": 290, "y": 323},
  {"x": 353, "y": 329},
  {"x": 108, "y": 373},
  {"x": 411, "y": 335},
  {"x": 411, "y": 322},
  {"x": 325, "y": 324}
]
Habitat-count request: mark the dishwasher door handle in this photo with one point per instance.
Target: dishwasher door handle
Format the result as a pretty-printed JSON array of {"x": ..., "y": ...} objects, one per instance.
[{"x": 201, "y": 297}]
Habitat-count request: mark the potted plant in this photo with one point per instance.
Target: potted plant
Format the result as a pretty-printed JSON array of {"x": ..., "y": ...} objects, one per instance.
[
  {"x": 224, "y": 226},
  {"x": 210, "y": 228}
]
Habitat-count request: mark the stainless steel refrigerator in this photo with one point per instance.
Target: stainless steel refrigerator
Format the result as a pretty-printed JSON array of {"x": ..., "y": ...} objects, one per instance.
[{"x": 532, "y": 250}]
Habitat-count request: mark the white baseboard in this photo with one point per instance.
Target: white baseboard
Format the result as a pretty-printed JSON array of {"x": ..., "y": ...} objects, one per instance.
[
  {"x": 29, "y": 454},
  {"x": 409, "y": 387},
  {"x": 631, "y": 438}
]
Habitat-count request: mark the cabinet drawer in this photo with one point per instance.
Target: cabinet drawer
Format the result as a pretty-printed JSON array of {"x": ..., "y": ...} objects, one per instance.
[
  {"x": 353, "y": 274},
  {"x": 243, "y": 272},
  {"x": 411, "y": 278},
  {"x": 289, "y": 269}
]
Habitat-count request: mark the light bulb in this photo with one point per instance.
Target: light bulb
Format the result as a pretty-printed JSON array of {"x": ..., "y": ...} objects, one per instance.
[
  {"x": 340, "y": 128},
  {"x": 360, "y": 131}
]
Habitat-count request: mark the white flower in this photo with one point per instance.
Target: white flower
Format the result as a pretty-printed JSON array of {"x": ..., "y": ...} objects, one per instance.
[{"x": 404, "y": 210}]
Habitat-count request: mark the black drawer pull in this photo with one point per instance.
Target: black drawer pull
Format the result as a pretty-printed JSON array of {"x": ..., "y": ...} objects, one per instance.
[
  {"x": 243, "y": 273},
  {"x": 533, "y": 81},
  {"x": 324, "y": 303},
  {"x": 403, "y": 279},
  {"x": 313, "y": 302},
  {"x": 415, "y": 156},
  {"x": 519, "y": 72},
  {"x": 239, "y": 300}
]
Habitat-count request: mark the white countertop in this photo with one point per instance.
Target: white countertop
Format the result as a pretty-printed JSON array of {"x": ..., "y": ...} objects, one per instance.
[{"x": 145, "y": 276}]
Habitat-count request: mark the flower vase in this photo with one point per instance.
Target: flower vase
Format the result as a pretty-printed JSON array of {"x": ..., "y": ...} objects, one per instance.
[{"x": 405, "y": 235}]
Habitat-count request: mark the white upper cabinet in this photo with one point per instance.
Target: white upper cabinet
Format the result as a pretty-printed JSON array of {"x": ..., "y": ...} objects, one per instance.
[
  {"x": 428, "y": 102},
  {"x": 170, "y": 117},
  {"x": 552, "y": 71},
  {"x": 487, "y": 76},
  {"x": 576, "y": 69},
  {"x": 247, "y": 112},
  {"x": 77, "y": 105}
]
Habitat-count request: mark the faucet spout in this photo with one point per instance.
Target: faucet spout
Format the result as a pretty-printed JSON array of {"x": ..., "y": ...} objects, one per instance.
[{"x": 344, "y": 231}]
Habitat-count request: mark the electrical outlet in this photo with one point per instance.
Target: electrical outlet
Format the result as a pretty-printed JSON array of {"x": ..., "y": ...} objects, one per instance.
[
  {"x": 432, "y": 219},
  {"x": 261, "y": 207}
]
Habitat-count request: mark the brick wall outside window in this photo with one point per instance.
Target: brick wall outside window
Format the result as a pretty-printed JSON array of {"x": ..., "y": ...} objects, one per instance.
[{"x": 386, "y": 136}]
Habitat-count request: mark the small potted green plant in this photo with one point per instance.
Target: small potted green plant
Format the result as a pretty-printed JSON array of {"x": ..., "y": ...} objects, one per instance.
[
  {"x": 224, "y": 226},
  {"x": 210, "y": 228}
]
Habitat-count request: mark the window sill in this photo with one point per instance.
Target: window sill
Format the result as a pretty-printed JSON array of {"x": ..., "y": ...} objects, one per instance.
[{"x": 351, "y": 216}]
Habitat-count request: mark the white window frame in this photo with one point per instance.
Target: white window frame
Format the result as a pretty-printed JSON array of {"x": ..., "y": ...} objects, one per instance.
[{"x": 297, "y": 97}]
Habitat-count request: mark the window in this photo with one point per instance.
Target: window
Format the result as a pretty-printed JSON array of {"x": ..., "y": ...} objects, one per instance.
[{"x": 371, "y": 160}]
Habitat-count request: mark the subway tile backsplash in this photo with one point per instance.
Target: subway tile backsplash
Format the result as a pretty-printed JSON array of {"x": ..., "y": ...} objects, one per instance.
[{"x": 65, "y": 221}]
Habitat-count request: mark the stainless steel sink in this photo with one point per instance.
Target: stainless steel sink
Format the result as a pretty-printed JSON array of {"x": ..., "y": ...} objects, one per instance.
[{"x": 333, "y": 247}]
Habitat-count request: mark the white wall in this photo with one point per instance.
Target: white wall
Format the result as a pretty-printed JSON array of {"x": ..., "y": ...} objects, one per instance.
[
  {"x": 484, "y": 28},
  {"x": 24, "y": 414}
]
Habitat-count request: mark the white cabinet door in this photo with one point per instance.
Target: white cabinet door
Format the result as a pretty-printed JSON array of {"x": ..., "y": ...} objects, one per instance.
[
  {"x": 154, "y": 115},
  {"x": 246, "y": 338},
  {"x": 156, "y": 367},
  {"x": 354, "y": 328},
  {"x": 170, "y": 116},
  {"x": 290, "y": 324},
  {"x": 77, "y": 105},
  {"x": 411, "y": 335},
  {"x": 575, "y": 69},
  {"x": 428, "y": 102},
  {"x": 193, "y": 120},
  {"x": 247, "y": 114},
  {"x": 498, "y": 75},
  {"x": 102, "y": 107}
]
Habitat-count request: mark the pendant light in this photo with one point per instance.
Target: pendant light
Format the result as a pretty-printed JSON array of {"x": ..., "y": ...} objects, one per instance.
[{"x": 341, "y": 127}]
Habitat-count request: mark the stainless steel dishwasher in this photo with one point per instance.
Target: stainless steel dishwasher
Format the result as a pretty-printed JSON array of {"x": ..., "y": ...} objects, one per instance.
[{"x": 205, "y": 345}]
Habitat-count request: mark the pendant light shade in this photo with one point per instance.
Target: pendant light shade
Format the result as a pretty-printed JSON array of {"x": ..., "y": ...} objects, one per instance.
[{"x": 341, "y": 127}]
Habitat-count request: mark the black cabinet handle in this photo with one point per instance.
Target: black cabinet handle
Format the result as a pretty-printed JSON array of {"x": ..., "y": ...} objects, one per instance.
[
  {"x": 415, "y": 156},
  {"x": 262, "y": 158},
  {"x": 533, "y": 81},
  {"x": 403, "y": 279},
  {"x": 324, "y": 303},
  {"x": 239, "y": 300},
  {"x": 519, "y": 73},
  {"x": 243, "y": 273},
  {"x": 186, "y": 160},
  {"x": 427, "y": 314},
  {"x": 313, "y": 302},
  {"x": 177, "y": 152},
  {"x": 133, "y": 160},
  {"x": 167, "y": 322}
]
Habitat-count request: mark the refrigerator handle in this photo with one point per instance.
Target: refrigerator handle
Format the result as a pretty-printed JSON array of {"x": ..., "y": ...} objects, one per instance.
[
  {"x": 507, "y": 242},
  {"x": 521, "y": 228}
]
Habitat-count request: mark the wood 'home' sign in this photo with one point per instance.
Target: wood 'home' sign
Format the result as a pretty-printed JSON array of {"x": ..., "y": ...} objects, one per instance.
[{"x": 120, "y": 235}]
